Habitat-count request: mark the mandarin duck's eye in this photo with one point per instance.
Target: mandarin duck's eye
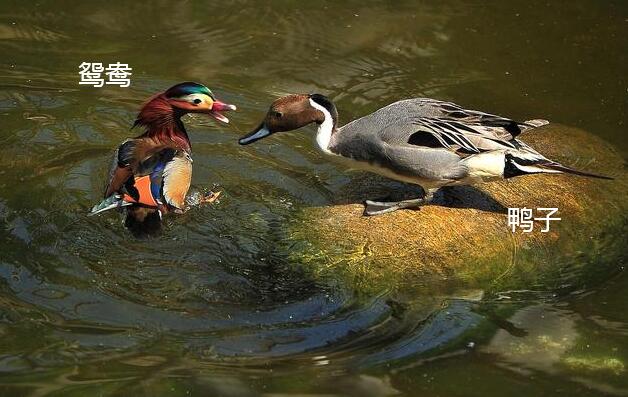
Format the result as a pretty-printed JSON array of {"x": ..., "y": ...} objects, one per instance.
[
  {"x": 278, "y": 114},
  {"x": 197, "y": 101}
]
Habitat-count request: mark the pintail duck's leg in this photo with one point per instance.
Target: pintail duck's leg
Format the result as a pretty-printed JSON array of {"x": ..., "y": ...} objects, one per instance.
[{"x": 373, "y": 208}]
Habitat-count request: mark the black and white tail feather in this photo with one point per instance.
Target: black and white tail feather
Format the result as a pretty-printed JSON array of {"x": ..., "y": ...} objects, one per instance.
[
  {"x": 521, "y": 162},
  {"x": 526, "y": 160}
]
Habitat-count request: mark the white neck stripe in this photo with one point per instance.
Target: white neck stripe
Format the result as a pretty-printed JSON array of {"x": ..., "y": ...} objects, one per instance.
[{"x": 323, "y": 136}]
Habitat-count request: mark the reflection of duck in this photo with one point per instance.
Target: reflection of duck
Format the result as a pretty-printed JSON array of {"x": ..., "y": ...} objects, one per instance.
[
  {"x": 151, "y": 173},
  {"x": 421, "y": 141}
]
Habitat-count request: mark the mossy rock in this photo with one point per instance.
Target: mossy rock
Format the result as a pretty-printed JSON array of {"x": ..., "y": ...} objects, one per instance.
[{"x": 464, "y": 236}]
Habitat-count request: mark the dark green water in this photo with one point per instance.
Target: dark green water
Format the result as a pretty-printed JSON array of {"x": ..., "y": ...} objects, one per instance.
[{"x": 213, "y": 306}]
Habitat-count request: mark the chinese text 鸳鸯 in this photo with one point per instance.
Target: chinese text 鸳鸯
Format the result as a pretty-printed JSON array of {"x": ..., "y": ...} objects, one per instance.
[{"x": 91, "y": 73}]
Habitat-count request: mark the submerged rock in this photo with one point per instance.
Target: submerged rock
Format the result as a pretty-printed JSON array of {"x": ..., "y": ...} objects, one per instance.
[{"x": 465, "y": 235}]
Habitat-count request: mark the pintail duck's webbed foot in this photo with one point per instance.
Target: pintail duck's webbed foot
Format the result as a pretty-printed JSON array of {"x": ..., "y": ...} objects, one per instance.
[{"x": 373, "y": 208}]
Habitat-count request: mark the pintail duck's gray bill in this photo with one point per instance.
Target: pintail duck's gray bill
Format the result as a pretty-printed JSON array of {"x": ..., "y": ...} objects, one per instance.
[{"x": 257, "y": 134}]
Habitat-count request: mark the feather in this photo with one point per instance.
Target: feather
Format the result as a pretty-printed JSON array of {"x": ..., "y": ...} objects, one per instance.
[
  {"x": 177, "y": 177},
  {"x": 111, "y": 202},
  {"x": 530, "y": 162}
]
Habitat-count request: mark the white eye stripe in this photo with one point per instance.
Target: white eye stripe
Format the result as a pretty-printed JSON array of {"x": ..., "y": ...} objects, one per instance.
[{"x": 195, "y": 99}]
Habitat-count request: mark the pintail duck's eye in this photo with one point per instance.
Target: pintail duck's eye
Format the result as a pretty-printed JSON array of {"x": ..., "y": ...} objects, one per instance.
[{"x": 197, "y": 101}]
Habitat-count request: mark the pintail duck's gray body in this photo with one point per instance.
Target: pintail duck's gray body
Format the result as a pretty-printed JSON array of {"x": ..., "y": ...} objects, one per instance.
[
  {"x": 433, "y": 144},
  {"x": 422, "y": 141}
]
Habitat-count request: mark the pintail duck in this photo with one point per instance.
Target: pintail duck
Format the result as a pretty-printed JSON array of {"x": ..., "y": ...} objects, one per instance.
[
  {"x": 421, "y": 141},
  {"x": 151, "y": 173}
]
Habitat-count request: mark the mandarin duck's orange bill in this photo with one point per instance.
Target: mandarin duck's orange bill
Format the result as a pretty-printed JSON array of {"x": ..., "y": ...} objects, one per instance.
[{"x": 151, "y": 174}]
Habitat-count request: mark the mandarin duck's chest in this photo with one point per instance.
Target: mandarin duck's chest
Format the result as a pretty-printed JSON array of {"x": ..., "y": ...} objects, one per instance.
[{"x": 163, "y": 178}]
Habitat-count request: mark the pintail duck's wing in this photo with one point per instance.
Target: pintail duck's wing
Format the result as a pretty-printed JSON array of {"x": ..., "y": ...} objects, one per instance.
[
  {"x": 489, "y": 125},
  {"x": 436, "y": 124},
  {"x": 483, "y": 141}
]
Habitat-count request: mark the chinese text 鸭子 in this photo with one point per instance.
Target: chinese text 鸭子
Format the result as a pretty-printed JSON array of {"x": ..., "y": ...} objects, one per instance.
[{"x": 523, "y": 218}]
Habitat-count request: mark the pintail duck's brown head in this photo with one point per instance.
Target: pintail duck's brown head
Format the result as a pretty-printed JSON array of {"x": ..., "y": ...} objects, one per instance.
[{"x": 292, "y": 112}]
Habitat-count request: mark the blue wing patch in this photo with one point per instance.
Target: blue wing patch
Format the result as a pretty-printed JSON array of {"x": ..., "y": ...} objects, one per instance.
[{"x": 156, "y": 180}]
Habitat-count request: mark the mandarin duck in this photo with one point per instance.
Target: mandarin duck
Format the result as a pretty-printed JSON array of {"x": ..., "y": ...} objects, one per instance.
[{"x": 151, "y": 173}]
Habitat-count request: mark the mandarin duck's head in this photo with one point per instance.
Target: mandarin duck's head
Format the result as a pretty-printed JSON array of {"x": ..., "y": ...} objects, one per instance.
[
  {"x": 183, "y": 98},
  {"x": 192, "y": 97}
]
